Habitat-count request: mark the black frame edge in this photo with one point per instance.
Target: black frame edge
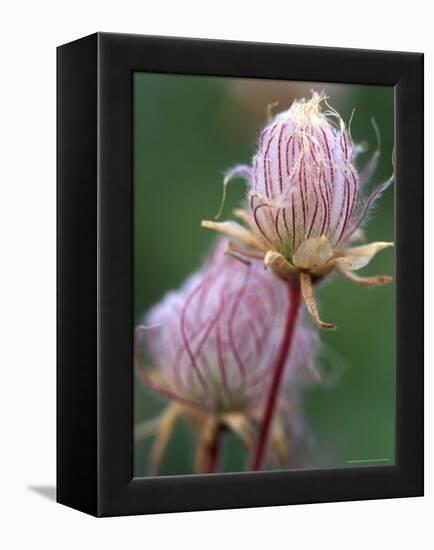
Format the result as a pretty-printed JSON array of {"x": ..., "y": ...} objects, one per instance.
[
  {"x": 409, "y": 144},
  {"x": 105, "y": 486},
  {"x": 120, "y": 56},
  {"x": 77, "y": 468}
]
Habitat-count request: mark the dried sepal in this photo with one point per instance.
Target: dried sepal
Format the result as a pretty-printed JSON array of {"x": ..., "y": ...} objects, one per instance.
[
  {"x": 234, "y": 230},
  {"x": 366, "y": 281},
  {"x": 279, "y": 441},
  {"x": 360, "y": 256},
  {"x": 313, "y": 253},
  {"x": 207, "y": 438},
  {"x": 309, "y": 300},
  {"x": 280, "y": 265},
  {"x": 247, "y": 252},
  {"x": 241, "y": 426},
  {"x": 209, "y": 428},
  {"x": 166, "y": 424},
  {"x": 147, "y": 428}
]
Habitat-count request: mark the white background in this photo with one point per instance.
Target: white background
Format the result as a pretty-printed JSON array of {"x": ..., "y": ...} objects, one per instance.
[{"x": 30, "y": 31}]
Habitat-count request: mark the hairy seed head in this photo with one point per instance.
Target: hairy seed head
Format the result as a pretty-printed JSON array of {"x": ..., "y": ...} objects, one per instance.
[
  {"x": 213, "y": 343},
  {"x": 304, "y": 184}
]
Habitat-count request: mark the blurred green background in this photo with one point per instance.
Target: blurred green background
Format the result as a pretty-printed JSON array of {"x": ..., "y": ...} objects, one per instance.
[{"x": 187, "y": 131}]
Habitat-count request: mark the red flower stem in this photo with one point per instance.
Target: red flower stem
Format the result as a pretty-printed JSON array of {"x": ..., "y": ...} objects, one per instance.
[{"x": 294, "y": 298}]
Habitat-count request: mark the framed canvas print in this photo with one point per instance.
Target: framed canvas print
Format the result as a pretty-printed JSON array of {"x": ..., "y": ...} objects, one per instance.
[{"x": 240, "y": 274}]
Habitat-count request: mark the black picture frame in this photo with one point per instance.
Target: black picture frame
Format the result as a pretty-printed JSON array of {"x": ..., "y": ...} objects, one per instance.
[{"x": 95, "y": 327}]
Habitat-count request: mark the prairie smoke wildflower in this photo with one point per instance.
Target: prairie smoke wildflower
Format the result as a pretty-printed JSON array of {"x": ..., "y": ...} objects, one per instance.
[
  {"x": 213, "y": 346},
  {"x": 303, "y": 206}
]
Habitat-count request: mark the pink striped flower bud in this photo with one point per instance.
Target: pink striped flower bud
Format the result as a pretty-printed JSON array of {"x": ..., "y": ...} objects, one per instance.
[
  {"x": 214, "y": 345},
  {"x": 303, "y": 205}
]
